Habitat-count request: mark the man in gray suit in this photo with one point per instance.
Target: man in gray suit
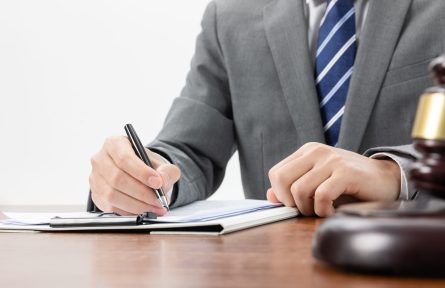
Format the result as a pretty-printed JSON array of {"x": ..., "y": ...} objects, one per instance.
[{"x": 252, "y": 88}]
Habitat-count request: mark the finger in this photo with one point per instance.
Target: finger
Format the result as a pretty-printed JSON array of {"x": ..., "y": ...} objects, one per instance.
[
  {"x": 122, "y": 181},
  {"x": 297, "y": 168},
  {"x": 283, "y": 195},
  {"x": 116, "y": 200},
  {"x": 306, "y": 148},
  {"x": 99, "y": 201},
  {"x": 96, "y": 194},
  {"x": 271, "y": 196},
  {"x": 281, "y": 178},
  {"x": 155, "y": 158},
  {"x": 303, "y": 189},
  {"x": 120, "y": 150},
  {"x": 325, "y": 195},
  {"x": 304, "y": 199}
]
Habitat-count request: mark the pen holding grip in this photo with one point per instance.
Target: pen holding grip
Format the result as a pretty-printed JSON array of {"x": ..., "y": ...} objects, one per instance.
[{"x": 139, "y": 149}]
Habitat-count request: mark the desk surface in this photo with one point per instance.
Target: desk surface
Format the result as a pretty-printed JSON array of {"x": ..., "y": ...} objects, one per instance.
[{"x": 275, "y": 255}]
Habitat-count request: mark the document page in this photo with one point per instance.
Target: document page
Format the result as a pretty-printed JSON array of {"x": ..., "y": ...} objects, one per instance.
[
  {"x": 195, "y": 212},
  {"x": 214, "y": 209},
  {"x": 39, "y": 218}
]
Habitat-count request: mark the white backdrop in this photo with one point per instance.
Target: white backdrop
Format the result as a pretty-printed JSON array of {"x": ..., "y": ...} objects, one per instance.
[{"x": 73, "y": 73}]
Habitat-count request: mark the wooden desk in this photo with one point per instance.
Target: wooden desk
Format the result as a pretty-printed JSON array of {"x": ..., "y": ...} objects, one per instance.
[{"x": 275, "y": 255}]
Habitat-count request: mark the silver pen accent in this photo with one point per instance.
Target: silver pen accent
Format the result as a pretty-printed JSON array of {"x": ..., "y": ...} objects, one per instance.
[{"x": 164, "y": 202}]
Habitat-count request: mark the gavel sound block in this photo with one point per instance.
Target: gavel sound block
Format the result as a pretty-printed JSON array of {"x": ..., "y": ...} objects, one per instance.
[{"x": 405, "y": 237}]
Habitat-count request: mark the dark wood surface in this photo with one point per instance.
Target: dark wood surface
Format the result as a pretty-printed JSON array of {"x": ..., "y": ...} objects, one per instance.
[{"x": 275, "y": 255}]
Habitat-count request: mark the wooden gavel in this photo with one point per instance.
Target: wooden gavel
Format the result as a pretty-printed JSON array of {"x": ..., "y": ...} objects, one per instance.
[
  {"x": 402, "y": 237},
  {"x": 428, "y": 174}
]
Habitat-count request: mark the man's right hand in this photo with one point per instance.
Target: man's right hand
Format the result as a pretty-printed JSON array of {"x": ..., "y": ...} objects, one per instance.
[{"x": 120, "y": 182}]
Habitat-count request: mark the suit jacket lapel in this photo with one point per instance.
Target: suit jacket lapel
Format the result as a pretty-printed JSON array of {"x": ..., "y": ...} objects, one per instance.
[
  {"x": 286, "y": 32},
  {"x": 377, "y": 43}
]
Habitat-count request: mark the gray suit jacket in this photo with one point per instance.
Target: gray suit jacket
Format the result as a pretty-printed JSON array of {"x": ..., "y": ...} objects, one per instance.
[{"x": 251, "y": 88}]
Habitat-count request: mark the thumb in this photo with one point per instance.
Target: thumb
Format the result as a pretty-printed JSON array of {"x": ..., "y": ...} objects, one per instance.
[
  {"x": 170, "y": 175},
  {"x": 155, "y": 158}
]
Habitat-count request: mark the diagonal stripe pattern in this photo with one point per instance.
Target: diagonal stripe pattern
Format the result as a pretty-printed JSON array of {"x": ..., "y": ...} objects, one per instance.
[{"x": 336, "y": 49}]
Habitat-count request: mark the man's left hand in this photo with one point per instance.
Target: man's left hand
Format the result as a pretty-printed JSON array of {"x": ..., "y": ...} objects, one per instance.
[{"x": 316, "y": 175}]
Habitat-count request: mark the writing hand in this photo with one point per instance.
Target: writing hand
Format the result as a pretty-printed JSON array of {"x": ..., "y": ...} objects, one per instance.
[{"x": 120, "y": 182}]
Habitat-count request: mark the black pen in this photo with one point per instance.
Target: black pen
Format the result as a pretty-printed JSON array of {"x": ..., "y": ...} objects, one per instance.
[{"x": 140, "y": 152}]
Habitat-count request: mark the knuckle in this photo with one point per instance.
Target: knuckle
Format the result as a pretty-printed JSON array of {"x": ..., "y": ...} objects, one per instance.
[
  {"x": 276, "y": 175},
  {"x": 319, "y": 149},
  {"x": 309, "y": 145},
  {"x": 349, "y": 170},
  {"x": 344, "y": 164},
  {"x": 272, "y": 173},
  {"x": 335, "y": 158}
]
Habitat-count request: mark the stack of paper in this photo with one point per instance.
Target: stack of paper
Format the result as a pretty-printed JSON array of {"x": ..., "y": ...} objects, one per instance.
[
  {"x": 201, "y": 217},
  {"x": 38, "y": 218}
]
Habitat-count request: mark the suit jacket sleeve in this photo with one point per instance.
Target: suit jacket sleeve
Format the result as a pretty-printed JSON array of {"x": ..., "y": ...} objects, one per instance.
[{"x": 198, "y": 133}]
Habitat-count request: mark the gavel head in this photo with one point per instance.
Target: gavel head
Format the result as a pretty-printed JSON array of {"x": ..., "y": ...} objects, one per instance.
[{"x": 428, "y": 174}]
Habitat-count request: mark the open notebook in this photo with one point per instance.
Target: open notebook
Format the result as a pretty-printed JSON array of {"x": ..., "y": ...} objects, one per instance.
[{"x": 201, "y": 217}]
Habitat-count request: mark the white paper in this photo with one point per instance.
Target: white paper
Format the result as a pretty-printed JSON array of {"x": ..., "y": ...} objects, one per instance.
[
  {"x": 39, "y": 218},
  {"x": 196, "y": 212},
  {"x": 214, "y": 209}
]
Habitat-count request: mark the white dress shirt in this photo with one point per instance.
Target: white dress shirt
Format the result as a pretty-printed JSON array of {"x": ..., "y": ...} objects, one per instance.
[{"x": 314, "y": 11}]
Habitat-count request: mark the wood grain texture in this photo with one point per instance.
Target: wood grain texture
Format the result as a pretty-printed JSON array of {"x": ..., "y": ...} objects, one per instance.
[{"x": 275, "y": 255}]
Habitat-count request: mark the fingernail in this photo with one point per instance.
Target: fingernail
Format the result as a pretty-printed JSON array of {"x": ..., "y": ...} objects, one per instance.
[{"x": 154, "y": 182}]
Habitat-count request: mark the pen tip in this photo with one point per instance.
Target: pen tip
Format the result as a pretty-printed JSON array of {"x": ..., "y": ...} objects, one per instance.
[{"x": 164, "y": 203}]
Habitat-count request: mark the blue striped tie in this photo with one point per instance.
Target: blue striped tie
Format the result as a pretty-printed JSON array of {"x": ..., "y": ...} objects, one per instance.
[{"x": 336, "y": 49}]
